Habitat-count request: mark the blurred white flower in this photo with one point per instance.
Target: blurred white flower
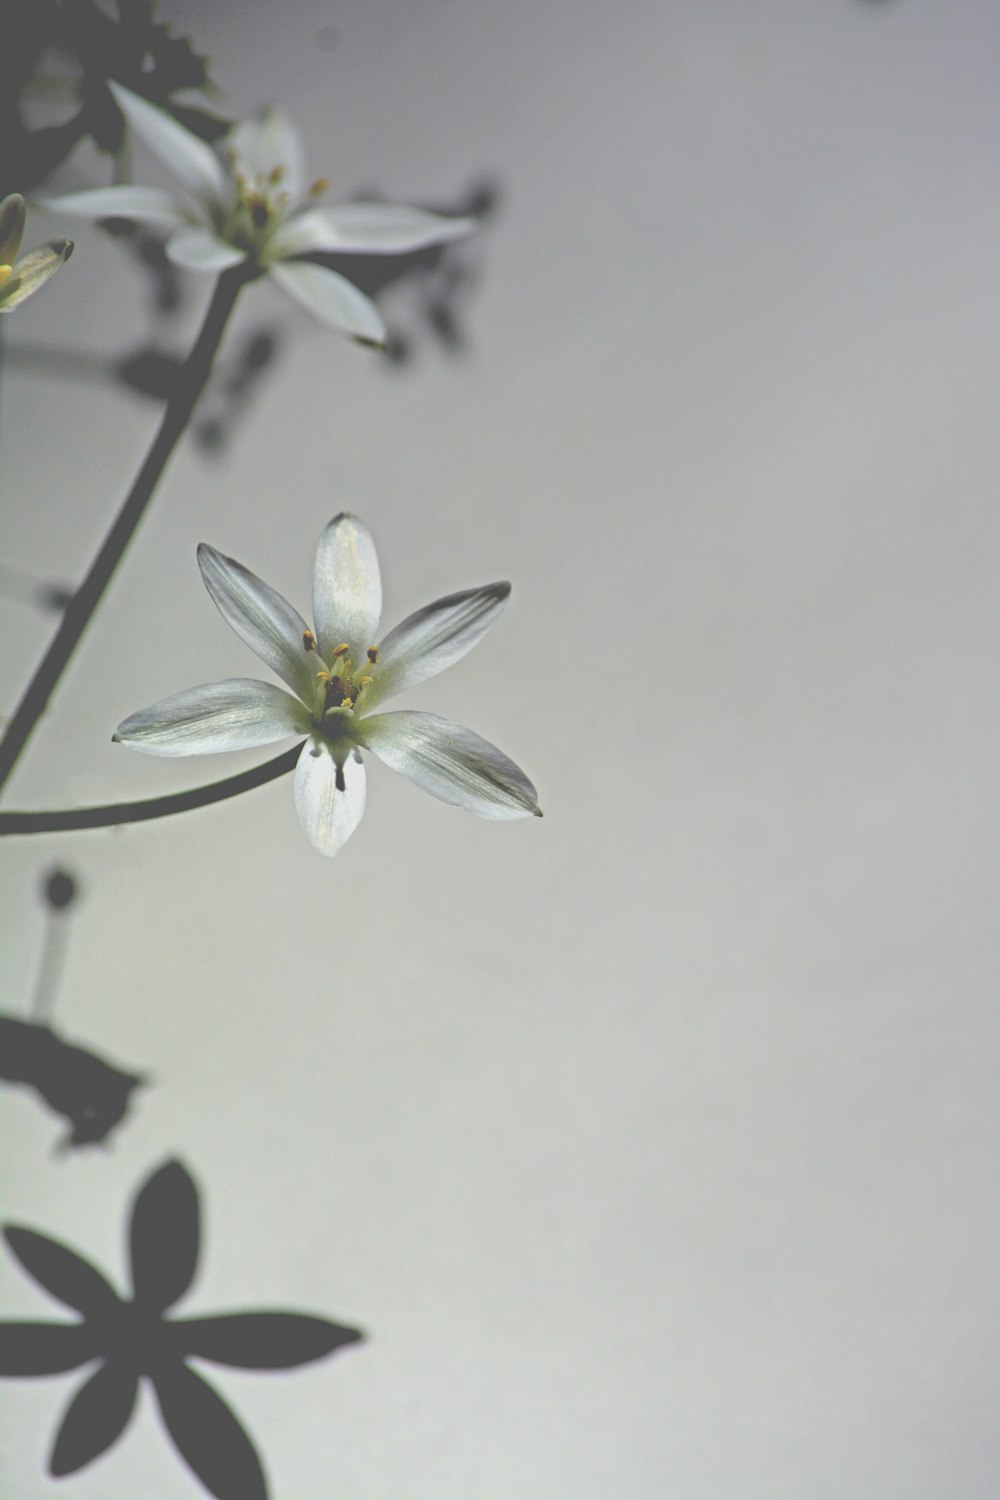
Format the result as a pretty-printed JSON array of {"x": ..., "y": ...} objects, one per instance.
[
  {"x": 22, "y": 278},
  {"x": 248, "y": 200},
  {"x": 339, "y": 676}
]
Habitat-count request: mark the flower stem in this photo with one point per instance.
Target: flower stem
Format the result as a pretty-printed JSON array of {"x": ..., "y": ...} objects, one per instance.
[
  {"x": 67, "y": 819},
  {"x": 81, "y": 607}
]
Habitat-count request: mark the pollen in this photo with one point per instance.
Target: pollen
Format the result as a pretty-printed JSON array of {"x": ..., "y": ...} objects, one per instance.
[
  {"x": 322, "y": 677},
  {"x": 4, "y": 273},
  {"x": 363, "y": 682},
  {"x": 308, "y": 640},
  {"x": 373, "y": 654}
]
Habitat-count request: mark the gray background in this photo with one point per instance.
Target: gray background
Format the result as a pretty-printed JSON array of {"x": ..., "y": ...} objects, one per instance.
[{"x": 654, "y": 1143}]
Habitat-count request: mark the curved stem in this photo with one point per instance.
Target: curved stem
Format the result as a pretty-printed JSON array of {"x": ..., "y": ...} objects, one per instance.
[
  {"x": 112, "y": 813},
  {"x": 76, "y": 618}
]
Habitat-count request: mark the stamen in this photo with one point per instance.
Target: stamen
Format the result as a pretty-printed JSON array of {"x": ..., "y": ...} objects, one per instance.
[
  {"x": 308, "y": 640},
  {"x": 322, "y": 677},
  {"x": 341, "y": 649},
  {"x": 276, "y": 174},
  {"x": 4, "y": 273},
  {"x": 319, "y": 187},
  {"x": 363, "y": 682},
  {"x": 341, "y": 783},
  {"x": 373, "y": 654}
]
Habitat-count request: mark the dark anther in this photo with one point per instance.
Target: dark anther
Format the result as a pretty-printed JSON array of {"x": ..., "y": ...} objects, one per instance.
[
  {"x": 341, "y": 783},
  {"x": 60, "y": 889}
]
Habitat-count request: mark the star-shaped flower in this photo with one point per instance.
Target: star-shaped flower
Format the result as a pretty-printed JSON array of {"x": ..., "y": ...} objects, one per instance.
[
  {"x": 247, "y": 200},
  {"x": 133, "y": 1339},
  {"x": 339, "y": 676},
  {"x": 22, "y": 278}
]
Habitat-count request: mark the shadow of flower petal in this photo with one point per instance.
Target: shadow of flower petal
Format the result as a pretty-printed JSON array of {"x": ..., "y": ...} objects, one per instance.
[
  {"x": 208, "y": 1436},
  {"x": 97, "y": 1415},
  {"x": 264, "y": 1340},
  {"x": 164, "y": 1237},
  {"x": 61, "y": 1271},
  {"x": 45, "y": 1348}
]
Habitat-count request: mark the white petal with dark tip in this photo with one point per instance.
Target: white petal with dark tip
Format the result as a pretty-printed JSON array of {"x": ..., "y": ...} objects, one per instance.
[
  {"x": 328, "y": 814},
  {"x": 188, "y": 157},
  {"x": 347, "y": 587},
  {"x": 232, "y": 715},
  {"x": 434, "y": 638},
  {"x": 260, "y": 617},
  {"x": 331, "y": 298},
  {"x": 451, "y": 763},
  {"x": 33, "y": 271},
  {"x": 198, "y": 250}
]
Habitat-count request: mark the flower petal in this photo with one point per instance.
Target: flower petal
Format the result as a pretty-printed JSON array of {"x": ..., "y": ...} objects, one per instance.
[
  {"x": 164, "y": 1237},
  {"x": 331, "y": 298},
  {"x": 329, "y": 814},
  {"x": 147, "y": 205},
  {"x": 61, "y": 1271},
  {"x": 191, "y": 161},
  {"x": 232, "y": 715},
  {"x": 198, "y": 250},
  {"x": 45, "y": 1348},
  {"x": 434, "y": 638},
  {"x": 208, "y": 1436},
  {"x": 347, "y": 587},
  {"x": 264, "y": 1340},
  {"x": 97, "y": 1415},
  {"x": 12, "y": 216},
  {"x": 261, "y": 618},
  {"x": 33, "y": 271},
  {"x": 367, "y": 229},
  {"x": 268, "y": 144},
  {"x": 451, "y": 763}
]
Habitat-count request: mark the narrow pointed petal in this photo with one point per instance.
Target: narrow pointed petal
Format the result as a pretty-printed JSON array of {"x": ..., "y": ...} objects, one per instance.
[
  {"x": 12, "y": 216},
  {"x": 190, "y": 160},
  {"x": 451, "y": 763},
  {"x": 367, "y": 229},
  {"x": 197, "y": 250},
  {"x": 62, "y": 1272},
  {"x": 45, "y": 1348},
  {"x": 347, "y": 587},
  {"x": 261, "y": 618},
  {"x": 95, "y": 1418},
  {"x": 233, "y": 715},
  {"x": 264, "y": 1340},
  {"x": 33, "y": 271},
  {"x": 208, "y": 1437},
  {"x": 331, "y": 298},
  {"x": 328, "y": 814},
  {"x": 267, "y": 145},
  {"x": 146, "y": 205},
  {"x": 434, "y": 638},
  {"x": 164, "y": 1237}
]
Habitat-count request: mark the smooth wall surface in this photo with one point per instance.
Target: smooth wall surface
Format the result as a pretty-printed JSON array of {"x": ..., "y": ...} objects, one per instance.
[{"x": 653, "y": 1144}]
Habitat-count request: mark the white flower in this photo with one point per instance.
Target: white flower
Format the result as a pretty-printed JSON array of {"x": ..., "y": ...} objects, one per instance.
[
  {"x": 22, "y": 278},
  {"x": 339, "y": 677},
  {"x": 248, "y": 201}
]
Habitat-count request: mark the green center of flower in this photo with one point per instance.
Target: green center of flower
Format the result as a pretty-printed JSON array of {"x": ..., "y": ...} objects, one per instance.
[
  {"x": 258, "y": 204},
  {"x": 340, "y": 685}
]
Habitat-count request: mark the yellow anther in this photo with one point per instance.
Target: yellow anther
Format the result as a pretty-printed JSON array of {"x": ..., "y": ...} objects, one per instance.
[
  {"x": 347, "y": 703},
  {"x": 373, "y": 654},
  {"x": 4, "y": 273},
  {"x": 276, "y": 174},
  {"x": 322, "y": 677},
  {"x": 363, "y": 682},
  {"x": 308, "y": 640},
  {"x": 319, "y": 187},
  {"x": 342, "y": 649}
]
